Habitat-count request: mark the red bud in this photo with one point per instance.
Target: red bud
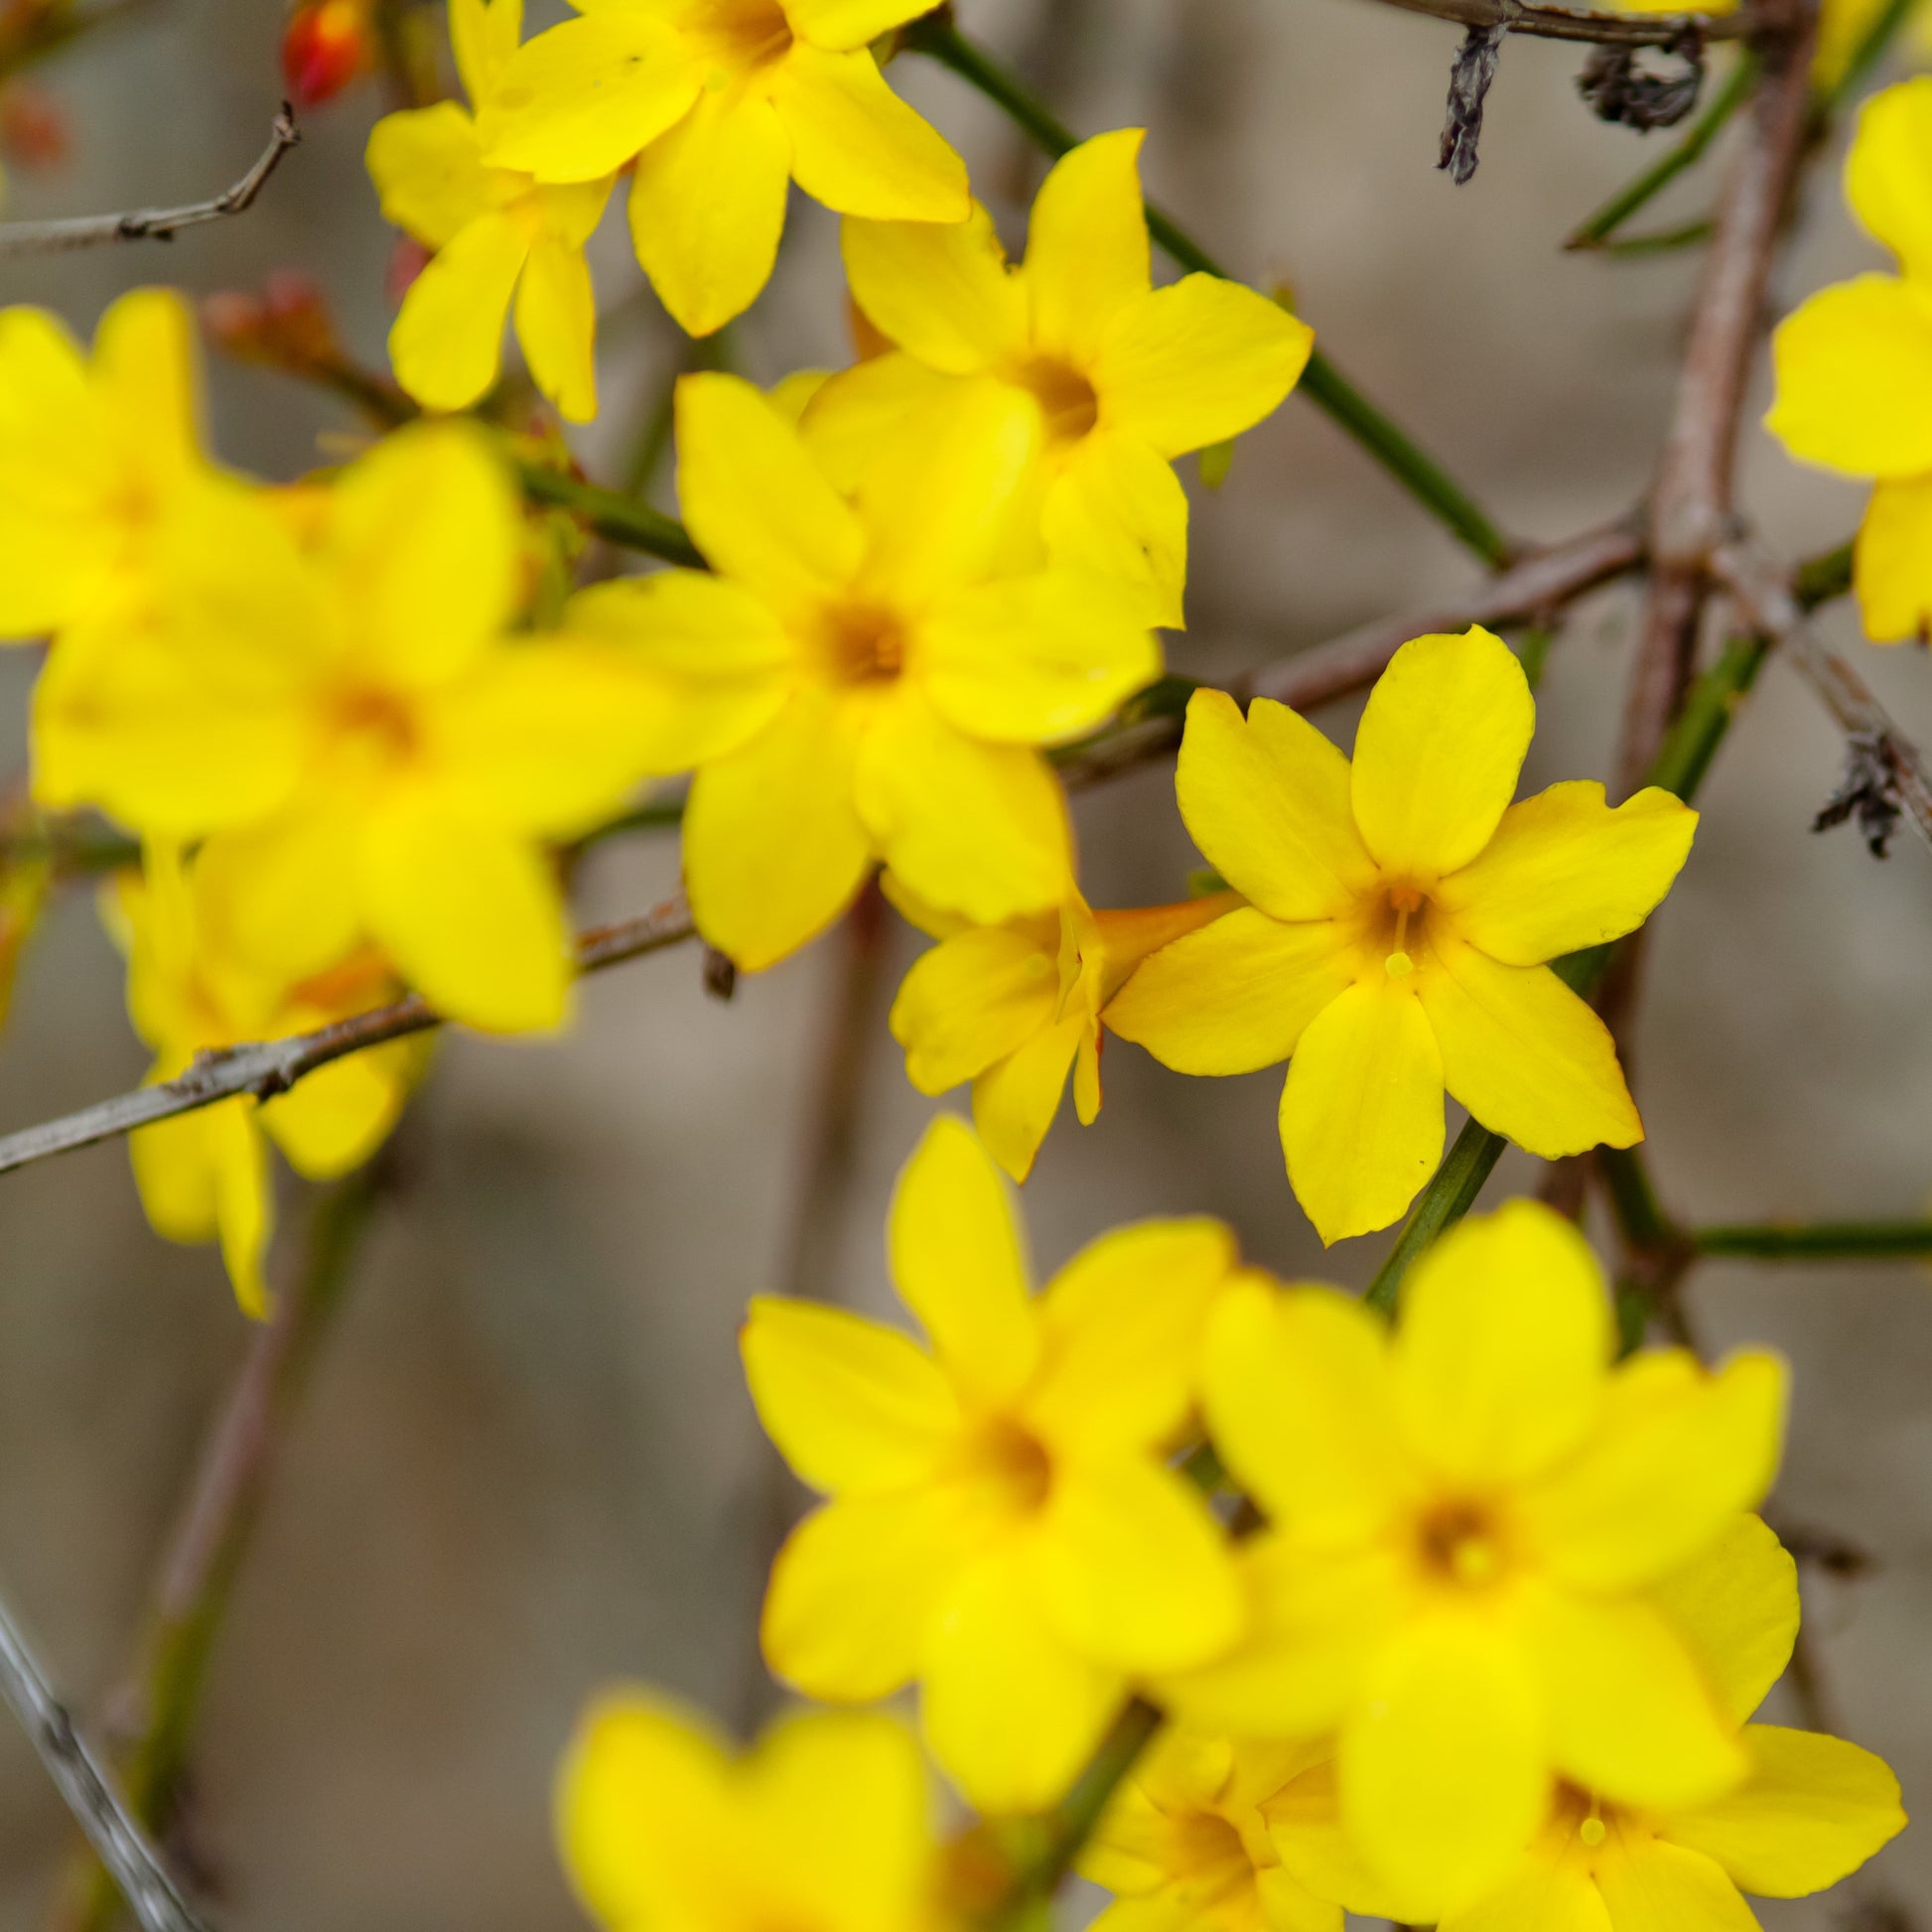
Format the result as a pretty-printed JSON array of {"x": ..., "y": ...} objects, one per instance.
[{"x": 326, "y": 46}]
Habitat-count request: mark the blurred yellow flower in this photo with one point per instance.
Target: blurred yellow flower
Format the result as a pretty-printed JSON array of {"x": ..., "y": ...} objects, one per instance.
[
  {"x": 94, "y": 452},
  {"x": 1015, "y": 1008},
  {"x": 722, "y": 103},
  {"x": 376, "y": 755},
  {"x": 498, "y": 235},
  {"x": 1810, "y": 1808},
  {"x": 1854, "y": 367},
  {"x": 1004, "y": 1525},
  {"x": 205, "y": 1175},
  {"x": 1466, "y": 1520},
  {"x": 824, "y": 1823},
  {"x": 1122, "y": 376},
  {"x": 1402, "y": 914},
  {"x": 866, "y": 676}
]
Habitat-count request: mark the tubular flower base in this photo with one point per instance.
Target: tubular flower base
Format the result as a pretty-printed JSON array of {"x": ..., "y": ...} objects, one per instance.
[
  {"x": 1402, "y": 912},
  {"x": 1004, "y": 1526},
  {"x": 1124, "y": 377},
  {"x": 1469, "y": 1522}
]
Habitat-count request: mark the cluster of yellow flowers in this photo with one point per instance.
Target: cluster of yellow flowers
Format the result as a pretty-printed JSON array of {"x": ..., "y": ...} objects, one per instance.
[{"x": 1477, "y": 1640}]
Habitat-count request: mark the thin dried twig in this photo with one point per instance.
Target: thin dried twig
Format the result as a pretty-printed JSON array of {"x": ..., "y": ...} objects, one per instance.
[{"x": 157, "y": 223}]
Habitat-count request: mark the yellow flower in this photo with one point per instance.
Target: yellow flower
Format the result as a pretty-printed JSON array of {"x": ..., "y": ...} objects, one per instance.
[
  {"x": 1402, "y": 912},
  {"x": 722, "y": 103},
  {"x": 1015, "y": 1008},
  {"x": 1193, "y": 1839},
  {"x": 867, "y": 676},
  {"x": 1465, "y": 1520},
  {"x": 1003, "y": 1526},
  {"x": 92, "y": 453},
  {"x": 204, "y": 1177},
  {"x": 1810, "y": 1809},
  {"x": 825, "y": 1823},
  {"x": 499, "y": 234},
  {"x": 374, "y": 755},
  {"x": 1854, "y": 367},
  {"x": 1122, "y": 376}
]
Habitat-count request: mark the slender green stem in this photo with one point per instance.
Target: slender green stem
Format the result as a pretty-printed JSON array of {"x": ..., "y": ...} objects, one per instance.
[
  {"x": 1321, "y": 382},
  {"x": 1685, "y": 153},
  {"x": 1659, "y": 242},
  {"x": 1445, "y": 1201},
  {"x": 1820, "y": 1241},
  {"x": 612, "y": 515},
  {"x": 1699, "y": 726},
  {"x": 1633, "y": 1197},
  {"x": 1819, "y": 580},
  {"x": 1867, "y": 54}
]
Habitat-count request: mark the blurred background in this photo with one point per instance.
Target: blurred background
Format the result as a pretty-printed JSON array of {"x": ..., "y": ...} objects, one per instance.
[{"x": 526, "y": 1464}]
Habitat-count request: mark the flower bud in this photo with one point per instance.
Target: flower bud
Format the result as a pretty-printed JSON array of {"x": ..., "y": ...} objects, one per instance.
[{"x": 325, "y": 45}]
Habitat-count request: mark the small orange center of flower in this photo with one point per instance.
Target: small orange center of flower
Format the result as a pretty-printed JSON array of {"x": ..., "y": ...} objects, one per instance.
[
  {"x": 1403, "y": 915},
  {"x": 1013, "y": 1464},
  {"x": 1066, "y": 397},
  {"x": 1459, "y": 1544},
  {"x": 745, "y": 34},
  {"x": 866, "y": 645},
  {"x": 1208, "y": 1850},
  {"x": 378, "y": 724}
]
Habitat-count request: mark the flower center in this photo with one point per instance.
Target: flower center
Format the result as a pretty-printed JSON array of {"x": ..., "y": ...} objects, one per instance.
[
  {"x": 1066, "y": 397},
  {"x": 1208, "y": 1850},
  {"x": 1013, "y": 1464},
  {"x": 378, "y": 723},
  {"x": 1405, "y": 915},
  {"x": 743, "y": 35},
  {"x": 866, "y": 645},
  {"x": 1461, "y": 1543}
]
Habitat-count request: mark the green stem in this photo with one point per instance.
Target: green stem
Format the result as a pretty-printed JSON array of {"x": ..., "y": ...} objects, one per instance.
[
  {"x": 1321, "y": 382},
  {"x": 1820, "y": 1241},
  {"x": 1687, "y": 152},
  {"x": 1660, "y": 242},
  {"x": 1867, "y": 54},
  {"x": 1445, "y": 1201},
  {"x": 1819, "y": 580},
  {"x": 615, "y": 517},
  {"x": 1633, "y": 1198}
]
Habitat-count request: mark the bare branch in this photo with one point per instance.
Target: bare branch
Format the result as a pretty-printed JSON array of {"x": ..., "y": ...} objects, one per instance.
[
  {"x": 268, "y": 1067},
  {"x": 123, "y": 1847},
  {"x": 152, "y": 224},
  {"x": 1580, "y": 24}
]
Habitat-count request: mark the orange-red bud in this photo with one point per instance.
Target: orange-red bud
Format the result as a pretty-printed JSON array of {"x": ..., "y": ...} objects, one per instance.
[{"x": 325, "y": 45}]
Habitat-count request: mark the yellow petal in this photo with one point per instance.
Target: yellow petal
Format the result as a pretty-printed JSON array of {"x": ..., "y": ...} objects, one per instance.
[
  {"x": 483, "y": 34},
  {"x": 855, "y": 1591},
  {"x": 941, "y": 291},
  {"x": 1300, "y": 1402},
  {"x": 1443, "y": 1772},
  {"x": 54, "y": 473},
  {"x": 245, "y": 1201},
  {"x": 1853, "y": 372},
  {"x": 1505, "y": 1339},
  {"x": 1287, "y": 1905},
  {"x": 174, "y": 1170},
  {"x": 1127, "y": 936},
  {"x": 1197, "y": 363},
  {"x": 842, "y": 24},
  {"x": 472, "y": 916},
  {"x": 958, "y": 1262},
  {"x": 1810, "y": 1810},
  {"x": 428, "y": 168},
  {"x": 1124, "y": 1325},
  {"x": 447, "y": 344},
  {"x": 1133, "y": 1567},
  {"x": 992, "y": 1653},
  {"x": 1735, "y": 1604},
  {"x": 856, "y": 413},
  {"x": 1235, "y": 996},
  {"x": 1525, "y": 1054},
  {"x": 582, "y": 99},
  {"x": 1361, "y": 1113},
  {"x": 145, "y": 373},
  {"x": 708, "y": 206},
  {"x": 1036, "y": 659},
  {"x": 1892, "y": 152},
  {"x": 1437, "y": 752},
  {"x": 1015, "y": 1098},
  {"x": 1266, "y": 799},
  {"x": 1892, "y": 561},
  {"x": 1650, "y": 1885},
  {"x": 1087, "y": 253},
  {"x": 967, "y": 824},
  {"x": 973, "y": 999},
  {"x": 1117, "y": 508},
  {"x": 754, "y": 501},
  {"x": 858, "y": 148},
  {"x": 1565, "y": 872},
  {"x": 1304, "y": 1820},
  {"x": 334, "y": 1118},
  {"x": 282, "y": 893},
  {"x": 1678, "y": 1454},
  {"x": 555, "y": 321},
  {"x": 1629, "y": 1713},
  {"x": 851, "y": 1405},
  {"x": 1547, "y": 1892},
  {"x": 773, "y": 848}
]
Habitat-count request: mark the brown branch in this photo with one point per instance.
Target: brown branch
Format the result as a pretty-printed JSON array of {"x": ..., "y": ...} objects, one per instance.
[
  {"x": 268, "y": 1067},
  {"x": 153, "y": 224},
  {"x": 1580, "y": 24}
]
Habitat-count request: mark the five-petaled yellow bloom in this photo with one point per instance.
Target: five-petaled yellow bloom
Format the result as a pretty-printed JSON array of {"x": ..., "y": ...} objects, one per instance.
[
  {"x": 1854, "y": 367},
  {"x": 722, "y": 103},
  {"x": 824, "y": 1823},
  {"x": 1467, "y": 1523},
  {"x": 868, "y": 675},
  {"x": 1004, "y": 1526},
  {"x": 204, "y": 1176},
  {"x": 1402, "y": 912},
  {"x": 1123, "y": 376},
  {"x": 374, "y": 755},
  {"x": 498, "y": 235},
  {"x": 1016, "y": 1008}
]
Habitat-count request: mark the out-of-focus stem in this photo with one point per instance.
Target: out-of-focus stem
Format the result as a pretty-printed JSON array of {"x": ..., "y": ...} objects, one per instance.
[{"x": 1819, "y": 1241}]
